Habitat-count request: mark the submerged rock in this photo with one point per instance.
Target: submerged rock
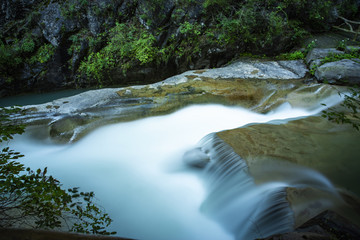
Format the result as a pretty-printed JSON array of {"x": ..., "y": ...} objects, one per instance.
[{"x": 196, "y": 158}]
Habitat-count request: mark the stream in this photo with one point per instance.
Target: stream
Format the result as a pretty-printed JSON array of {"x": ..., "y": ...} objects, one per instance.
[{"x": 137, "y": 172}]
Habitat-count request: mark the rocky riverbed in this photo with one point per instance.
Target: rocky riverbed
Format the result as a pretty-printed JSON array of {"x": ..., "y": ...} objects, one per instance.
[{"x": 258, "y": 85}]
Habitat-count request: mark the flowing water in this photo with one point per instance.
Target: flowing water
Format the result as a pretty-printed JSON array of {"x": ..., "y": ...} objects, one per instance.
[{"x": 137, "y": 174}]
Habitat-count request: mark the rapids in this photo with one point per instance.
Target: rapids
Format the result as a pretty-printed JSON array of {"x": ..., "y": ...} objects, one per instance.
[{"x": 136, "y": 170}]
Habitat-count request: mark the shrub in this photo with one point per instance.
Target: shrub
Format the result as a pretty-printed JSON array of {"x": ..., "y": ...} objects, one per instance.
[
  {"x": 128, "y": 46},
  {"x": 35, "y": 199},
  {"x": 43, "y": 54}
]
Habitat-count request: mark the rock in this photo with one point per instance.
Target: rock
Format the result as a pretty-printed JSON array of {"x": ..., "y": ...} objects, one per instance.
[
  {"x": 196, "y": 158},
  {"x": 65, "y": 129},
  {"x": 320, "y": 53},
  {"x": 54, "y": 24},
  {"x": 327, "y": 225},
  {"x": 242, "y": 84},
  {"x": 326, "y": 147},
  {"x": 345, "y": 71},
  {"x": 96, "y": 14},
  {"x": 12, "y": 10},
  {"x": 37, "y": 234},
  {"x": 350, "y": 49},
  {"x": 153, "y": 16},
  {"x": 295, "y": 69}
]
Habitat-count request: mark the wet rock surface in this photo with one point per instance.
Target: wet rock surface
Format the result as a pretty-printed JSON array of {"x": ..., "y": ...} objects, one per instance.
[
  {"x": 260, "y": 86},
  {"x": 312, "y": 142},
  {"x": 33, "y": 234},
  {"x": 327, "y": 225}
]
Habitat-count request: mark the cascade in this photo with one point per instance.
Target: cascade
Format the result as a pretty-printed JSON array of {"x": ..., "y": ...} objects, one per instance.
[
  {"x": 244, "y": 208},
  {"x": 136, "y": 171}
]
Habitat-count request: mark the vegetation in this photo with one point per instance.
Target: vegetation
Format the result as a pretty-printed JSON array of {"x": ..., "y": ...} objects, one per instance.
[
  {"x": 118, "y": 37},
  {"x": 35, "y": 199},
  {"x": 127, "y": 46},
  {"x": 350, "y": 115},
  {"x": 43, "y": 54}
]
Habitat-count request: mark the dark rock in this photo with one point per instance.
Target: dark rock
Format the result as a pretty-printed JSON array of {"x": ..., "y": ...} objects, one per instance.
[
  {"x": 152, "y": 16},
  {"x": 12, "y": 10},
  {"x": 327, "y": 225},
  {"x": 97, "y": 15},
  {"x": 320, "y": 53},
  {"x": 36, "y": 234},
  {"x": 126, "y": 9},
  {"x": 345, "y": 71},
  {"x": 350, "y": 49},
  {"x": 54, "y": 25}
]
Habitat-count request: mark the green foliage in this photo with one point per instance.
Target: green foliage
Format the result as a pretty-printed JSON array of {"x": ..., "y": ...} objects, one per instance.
[
  {"x": 7, "y": 127},
  {"x": 238, "y": 28},
  {"x": 214, "y": 3},
  {"x": 351, "y": 115},
  {"x": 43, "y": 54},
  {"x": 8, "y": 60},
  {"x": 28, "y": 45},
  {"x": 128, "y": 46},
  {"x": 73, "y": 8},
  {"x": 341, "y": 45},
  {"x": 34, "y": 199},
  {"x": 332, "y": 57},
  {"x": 347, "y": 8},
  {"x": 292, "y": 56}
]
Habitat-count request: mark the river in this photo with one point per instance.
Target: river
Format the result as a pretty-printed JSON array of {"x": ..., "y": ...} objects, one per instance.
[{"x": 137, "y": 172}]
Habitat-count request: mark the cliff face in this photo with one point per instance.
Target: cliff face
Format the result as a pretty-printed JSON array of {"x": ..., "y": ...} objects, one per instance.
[{"x": 46, "y": 45}]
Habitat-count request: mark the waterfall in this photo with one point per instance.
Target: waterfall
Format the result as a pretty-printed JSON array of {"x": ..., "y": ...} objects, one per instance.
[
  {"x": 250, "y": 210},
  {"x": 136, "y": 171},
  {"x": 247, "y": 210}
]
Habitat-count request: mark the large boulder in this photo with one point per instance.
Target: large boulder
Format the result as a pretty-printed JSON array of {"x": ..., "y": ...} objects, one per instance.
[
  {"x": 325, "y": 146},
  {"x": 315, "y": 56},
  {"x": 290, "y": 152},
  {"x": 345, "y": 71}
]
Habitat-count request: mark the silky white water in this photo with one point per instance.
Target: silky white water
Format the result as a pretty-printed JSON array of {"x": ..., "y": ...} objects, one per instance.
[{"x": 136, "y": 169}]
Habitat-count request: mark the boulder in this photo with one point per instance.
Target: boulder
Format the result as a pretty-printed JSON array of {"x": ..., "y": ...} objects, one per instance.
[
  {"x": 196, "y": 158},
  {"x": 345, "y": 71},
  {"x": 327, "y": 225},
  {"x": 326, "y": 147},
  {"x": 320, "y": 53}
]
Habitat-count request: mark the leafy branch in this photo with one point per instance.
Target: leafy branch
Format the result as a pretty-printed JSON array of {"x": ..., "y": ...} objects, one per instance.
[
  {"x": 37, "y": 200},
  {"x": 351, "y": 116}
]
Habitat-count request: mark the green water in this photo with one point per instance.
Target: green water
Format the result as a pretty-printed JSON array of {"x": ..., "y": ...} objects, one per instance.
[{"x": 37, "y": 98}]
